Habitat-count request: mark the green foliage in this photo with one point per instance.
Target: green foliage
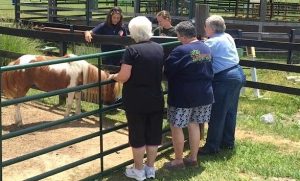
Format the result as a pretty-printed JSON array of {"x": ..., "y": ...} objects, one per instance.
[
  {"x": 7, "y": 10},
  {"x": 17, "y": 45}
]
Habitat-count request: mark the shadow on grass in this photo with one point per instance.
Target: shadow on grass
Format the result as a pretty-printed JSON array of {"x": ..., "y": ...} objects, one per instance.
[
  {"x": 183, "y": 174},
  {"x": 161, "y": 173},
  {"x": 222, "y": 156}
]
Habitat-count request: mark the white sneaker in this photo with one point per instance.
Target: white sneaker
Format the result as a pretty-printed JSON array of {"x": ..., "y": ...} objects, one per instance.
[
  {"x": 150, "y": 172},
  {"x": 136, "y": 174}
]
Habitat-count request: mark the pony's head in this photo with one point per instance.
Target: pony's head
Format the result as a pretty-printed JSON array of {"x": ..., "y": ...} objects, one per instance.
[{"x": 109, "y": 92}]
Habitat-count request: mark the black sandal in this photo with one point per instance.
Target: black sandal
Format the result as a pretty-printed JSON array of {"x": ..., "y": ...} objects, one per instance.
[
  {"x": 170, "y": 166},
  {"x": 188, "y": 162}
]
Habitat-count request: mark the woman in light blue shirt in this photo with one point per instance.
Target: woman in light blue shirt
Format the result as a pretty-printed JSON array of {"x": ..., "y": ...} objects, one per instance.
[{"x": 227, "y": 83}]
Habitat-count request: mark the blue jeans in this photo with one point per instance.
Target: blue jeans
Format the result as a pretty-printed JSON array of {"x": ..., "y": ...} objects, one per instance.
[{"x": 221, "y": 128}]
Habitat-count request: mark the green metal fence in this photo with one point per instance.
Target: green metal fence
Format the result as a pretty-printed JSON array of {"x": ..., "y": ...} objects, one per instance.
[{"x": 42, "y": 126}]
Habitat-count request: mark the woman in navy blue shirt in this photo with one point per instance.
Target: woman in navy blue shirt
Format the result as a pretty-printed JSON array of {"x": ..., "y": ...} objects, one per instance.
[
  {"x": 190, "y": 95},
  {"x": 112, "y": 26}
]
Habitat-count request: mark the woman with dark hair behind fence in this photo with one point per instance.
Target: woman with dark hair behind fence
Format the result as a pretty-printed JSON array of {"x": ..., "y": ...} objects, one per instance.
[
  {"x": 227, "y": 83},
  {"x": 141, "y": 73},
  {"x": 112, "y": 26},
  {"x": 189, "y": 72}
]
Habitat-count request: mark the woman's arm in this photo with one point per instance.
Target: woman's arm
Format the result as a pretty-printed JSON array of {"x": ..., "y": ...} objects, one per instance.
[
  {"x": 88, "y": 35},
  {"x": 123, "y": 75}
]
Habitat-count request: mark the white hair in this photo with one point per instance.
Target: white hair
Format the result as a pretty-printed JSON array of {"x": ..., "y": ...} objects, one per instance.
[
  {"x": 140, "y": 28},
  {"x": 216, "y": 23}
]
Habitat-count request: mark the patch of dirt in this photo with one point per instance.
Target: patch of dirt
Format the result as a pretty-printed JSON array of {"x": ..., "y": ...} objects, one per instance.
[
  {"x": 297, "y": 117},
  {"x": 35, "y": 113},
  {"x": 280, "y": 142}
]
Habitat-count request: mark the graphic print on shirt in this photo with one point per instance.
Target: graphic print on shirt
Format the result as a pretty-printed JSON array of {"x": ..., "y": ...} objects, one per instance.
[{"x": 198, "y": 57}]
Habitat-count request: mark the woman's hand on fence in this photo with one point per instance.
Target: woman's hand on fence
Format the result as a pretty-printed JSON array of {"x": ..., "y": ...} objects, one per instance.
[{"x": 88, "y": 36}]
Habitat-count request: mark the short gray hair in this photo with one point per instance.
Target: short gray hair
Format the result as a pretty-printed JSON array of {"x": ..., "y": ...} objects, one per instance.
[
  {"x": 216, "y": 23},
  {"x": 186, "y": 29},
  {"x": 140, "y": 28}
]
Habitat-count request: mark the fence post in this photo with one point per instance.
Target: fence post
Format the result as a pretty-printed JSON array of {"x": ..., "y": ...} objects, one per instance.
[
  {"x": 72, "y": 43},
  {"x": 52, "y": 11},
  {"x": 201, "y": 14},
  {"x": 192, "y": 9},
  {"x": 236, "y": 10},
  {"x": 290, "y": 52},
  {"x": 174, "y": 7},
  {"x": 88, "y": 13},
  {"x": 62, "y": 48},
  {"x": 253, "y": 72},
  {"x": 240, "y": 33},
  {"x": 263, "y": 10},
  {"x": 137, "y": 6},
  {"x": 248, "y": 9},
  {"x": 17, "y": 10},
  {"x": 271, "y": 9}
]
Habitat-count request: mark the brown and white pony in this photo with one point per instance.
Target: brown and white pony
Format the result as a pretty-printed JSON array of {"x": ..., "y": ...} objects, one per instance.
[{"x": 15, "y": 84}]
